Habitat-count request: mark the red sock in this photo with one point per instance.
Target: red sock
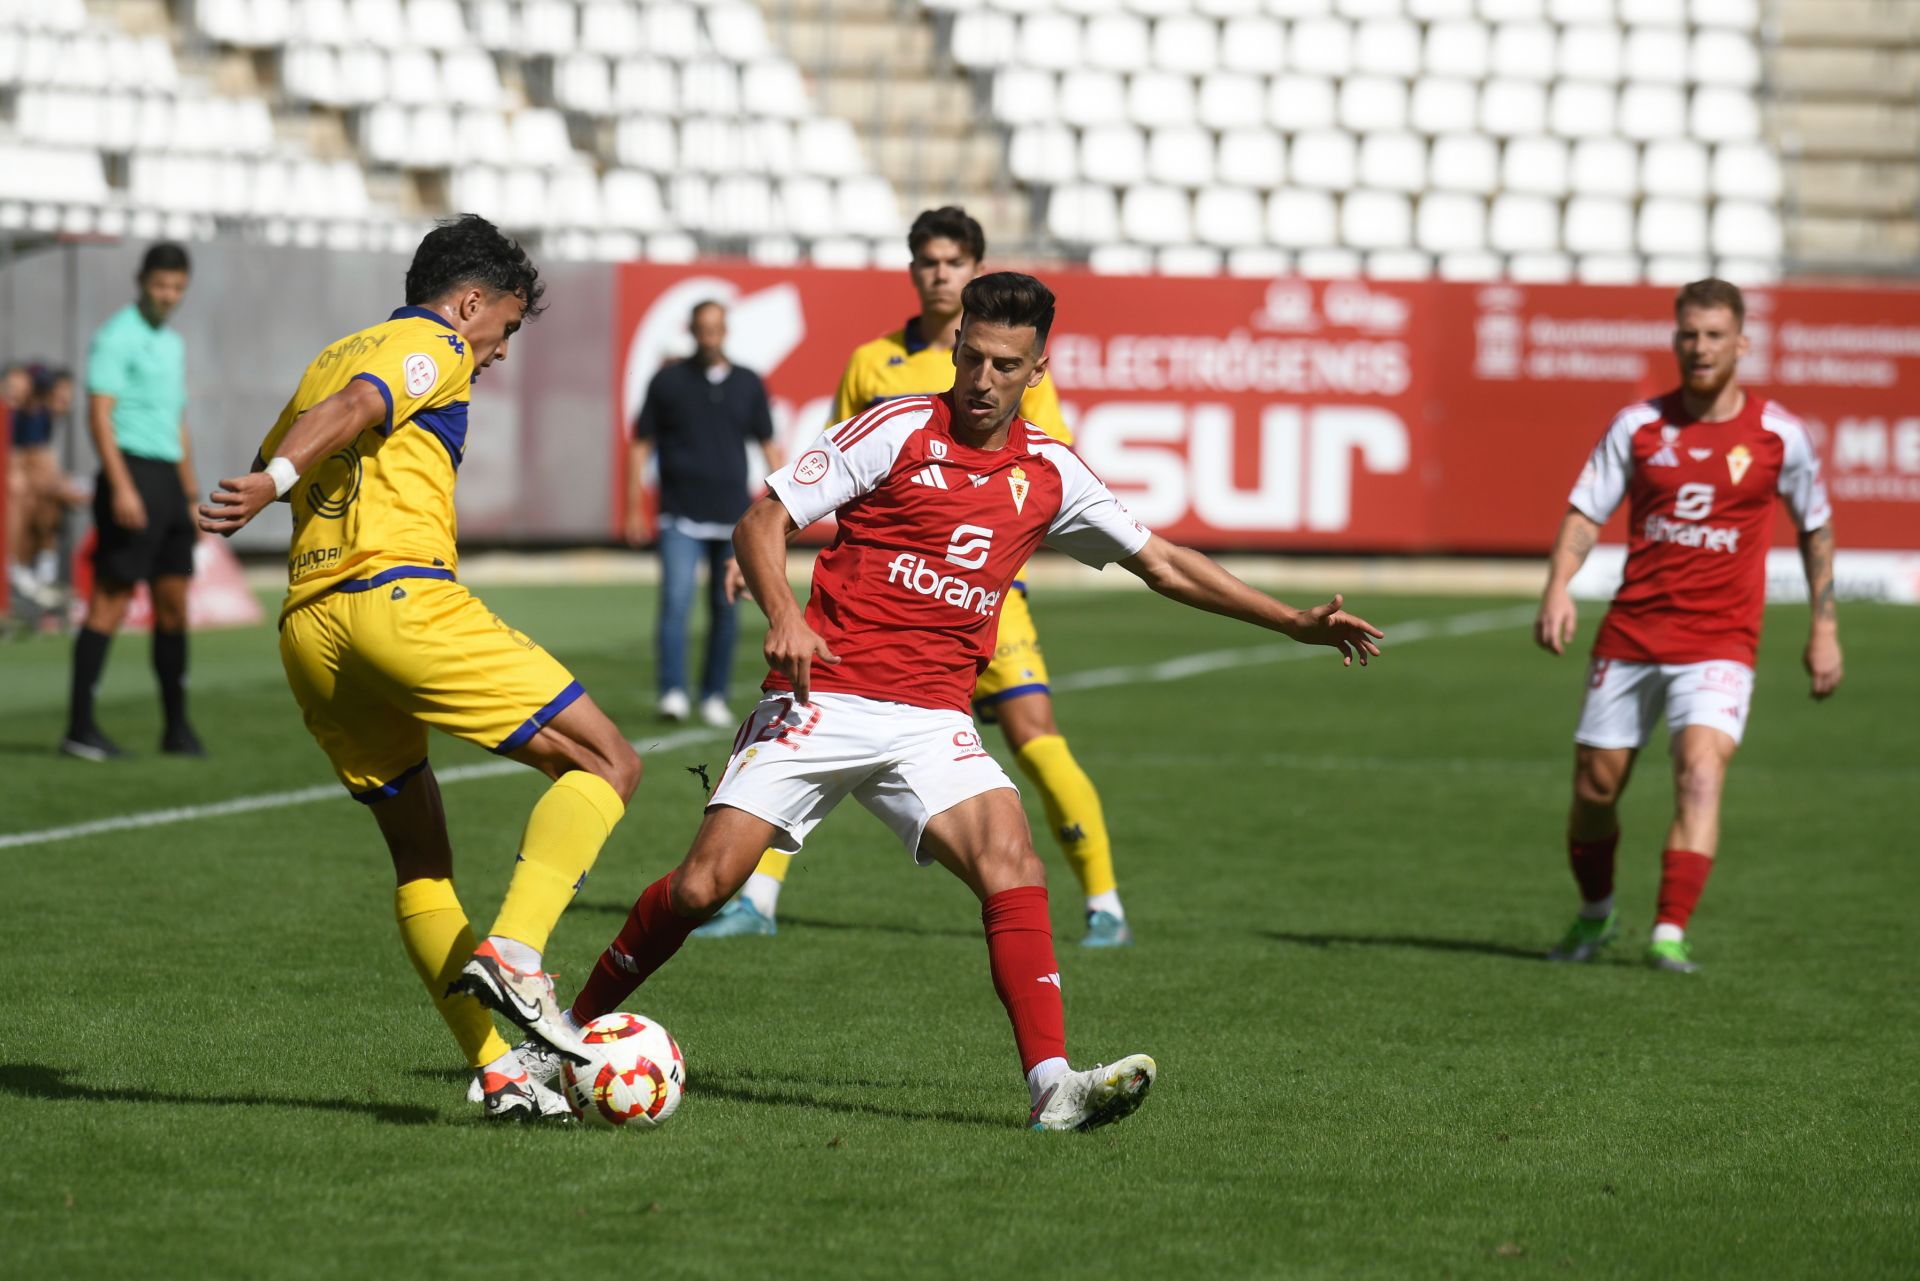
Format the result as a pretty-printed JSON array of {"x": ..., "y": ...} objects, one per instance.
[
  {"x": 1025, "y": 975},
  {"x": 1683, "y": 874},
  {"x": 652, "y": 934},
  {"x": 1593, "y": 866}
]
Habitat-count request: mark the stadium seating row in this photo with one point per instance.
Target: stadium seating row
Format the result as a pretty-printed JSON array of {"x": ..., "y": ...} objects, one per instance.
[
  {"x": 1406, "y": 264},
  {"x": 1434, "y": 105},
  {"x": 43, "y": 15},
  {"x": 1469, "y": 49},
  {"x": 87, "y": 60},
  {"x": 1743, "y": 14},
  {"x": 1437, "y": 222},
  {"x": 734, "y": 206},
  {"x": 1330, "y": 160},
  {"x": 117, "y": 122}
]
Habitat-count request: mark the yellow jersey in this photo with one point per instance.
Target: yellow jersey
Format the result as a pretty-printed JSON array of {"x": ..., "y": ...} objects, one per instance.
[
  {"x": 381, "y": 508},
  {"x": 902, "y": 364}
]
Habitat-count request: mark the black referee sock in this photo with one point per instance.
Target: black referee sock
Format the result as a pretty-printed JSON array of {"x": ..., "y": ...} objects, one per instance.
[
  {"x": 89, "y": 660},
  {"x": 170, "y": 665}
]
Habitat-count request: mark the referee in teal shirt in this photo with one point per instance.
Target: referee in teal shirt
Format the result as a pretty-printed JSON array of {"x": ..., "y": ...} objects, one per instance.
[{"x": 142, "y": 503}]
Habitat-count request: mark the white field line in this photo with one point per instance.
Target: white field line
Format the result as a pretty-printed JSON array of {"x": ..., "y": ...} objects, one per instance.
[{"x": 1096, "y": 678}]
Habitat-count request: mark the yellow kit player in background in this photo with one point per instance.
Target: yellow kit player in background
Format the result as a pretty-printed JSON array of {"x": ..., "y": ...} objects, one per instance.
[
  {"x": 380, "y": 643},
  {"x": 916, "y": 360}
]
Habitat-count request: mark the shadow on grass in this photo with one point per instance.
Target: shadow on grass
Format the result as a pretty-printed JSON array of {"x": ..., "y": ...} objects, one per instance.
[
  {"x": 38, "y": 1081},
  {"x": 1419, "y": 942},
  {"x": 746, "y": 1087},
  {"x": 803, "y": 923},
  {"x": 34, "y": 747}
]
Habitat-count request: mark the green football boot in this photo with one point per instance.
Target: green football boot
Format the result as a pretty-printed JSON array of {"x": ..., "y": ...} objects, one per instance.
[
  {"x": 1672, "y": 954},
  {"x": 1585, "y": 937}
]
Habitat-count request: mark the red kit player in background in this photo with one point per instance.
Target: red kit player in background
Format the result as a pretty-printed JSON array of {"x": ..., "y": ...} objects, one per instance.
[
  {"x": 941, "y": 499},
  {"x": 1699, "y": 468}
]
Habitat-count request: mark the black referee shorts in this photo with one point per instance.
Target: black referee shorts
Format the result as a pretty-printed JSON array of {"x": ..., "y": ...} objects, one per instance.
[{"x": 164, "y": 547}]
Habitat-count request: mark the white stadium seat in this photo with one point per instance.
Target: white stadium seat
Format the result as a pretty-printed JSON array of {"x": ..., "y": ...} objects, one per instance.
[
  {"x": 1656, "y": 55},
  {"x": 807, "y": 208},
  {"x": 1567, "y": 12},
  {"x": 743, "y": 206},
  {"x": 737, "y": 32},
  {"x": 1231, "y": 100},
  {"x": 1745, "y": 229},
  {"x": 983, "y": 39},
  {"x": 1302, "y": 219},
  {"x": 1117, "y": 42},
  {"x": 1325, "y": 159},
  {"x": 709, "y": 86},
  {"x": 1724, "y": 115},
  {"x": 1328, "y": 264},
  {"x": 1729, "y": 58},
  {"x": 1458, "y": 49},
  {"x": 1523, "y": 51},
  {"x": 1741, "y": 14},
  {"x": 1049, "y": 40},
  {"x": 773, "y": 87},
  {"x": 630, "y": 201},
  {"x": 1228, "y": 216},
  {"x": 1520, "y": 224},
  {"x": 647, "y": 142},
  {"x": 1513, "y": 108},
  {"x": 1652, "y": 13},
  {"x": 1537, "y": 165},
  {"x": 1464, "y": 162},
  {"x": 1451, "y": 222},
  {"x": 1113, "y": 154},
  {"x": 1744, "y": 272},
  {"x": 1259, "y": 262},
  {"x": 1439, "y": 10},
  {"x": 1370, "y": 103},
  {"x": 1321, "y": 47},
  {"x": 828, "y": 146},
  {"x": 1376, "y": 220},
  {"x": 1180, "y": 156},
  {"x": 1253, "y": 44},
  {"x": 1188, "y": 260},
  {"x": 1399, "y": 264},
  {"x": 1387, "y": 47},
  {"x": 1296, "y": 103},
  {"x": 1672, "y": 227},
  {"x": 1609, "y": 269},
  {"x": 711, "y": 145},
  {"x": 1025, "y": 95},
  {"x": 1393, "y": 162},
  {"x": 1469, "y": 265},
  {"x": 1677, "y": 269},
  {"x": 1156, "y": 215},
  {"x": 1300, "y": 8},
  {"x": 1598, "y": 225},
  {"x": 1442, "y": 104},
  {"x": 1092, "y": 98},
  {"x": 1252, "y": 158},
  {"x": 1120, "y": 260},
  {"x": 1581, "y": 110},
  {"x": 1540, "y": 268},
  {"x": 1649, "y": 111},
  {"x": 610, "y": 28},
  {"x": 1590, "y": 53},
  {"x": 1187, "y": 43},
  {"x": 1083, "y": 213},
  {"x": 1512, "y": 10},
  {"x": 672, "y": 30},
  {"x": 1605, "y": 167},
  {"x": 1156, "y": 98},
  {"x": 1674, "y": 167},
  {"x": 1042, "y": 154},
  {"x": 1746, "y": 171}
]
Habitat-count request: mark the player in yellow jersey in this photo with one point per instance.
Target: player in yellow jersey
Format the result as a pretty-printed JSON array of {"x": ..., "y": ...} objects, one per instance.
[
  {"x": 915, "y": 360},
  {"x": 381, "y": 643}
]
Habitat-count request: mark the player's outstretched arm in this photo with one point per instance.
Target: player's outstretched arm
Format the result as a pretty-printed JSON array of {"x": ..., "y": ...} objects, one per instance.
[
  {"x": 1823, "y": 640},
  {"x": 329, "y": 426},
  {"x": 1182, "y": 574},
  {"x": 760, "y": 549},
  {"x": 1558, "y": 618}
]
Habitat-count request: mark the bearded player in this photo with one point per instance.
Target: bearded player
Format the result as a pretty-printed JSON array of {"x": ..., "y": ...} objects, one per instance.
[
  {"x": 1699, "y": 468},
  {"x": 915, "y": 360},
  {"x": 380, "y": 643},
  {"x": 870, "y": 687}
]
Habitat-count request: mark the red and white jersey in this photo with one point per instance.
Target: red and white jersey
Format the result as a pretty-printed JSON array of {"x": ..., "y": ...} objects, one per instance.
[
  {"x": 932, "y": 533},
  {"x": 1700, "y": 502}
]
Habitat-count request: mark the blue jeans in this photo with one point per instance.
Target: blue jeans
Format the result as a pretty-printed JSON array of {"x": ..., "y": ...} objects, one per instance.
[{"x": 680, "y": 556}]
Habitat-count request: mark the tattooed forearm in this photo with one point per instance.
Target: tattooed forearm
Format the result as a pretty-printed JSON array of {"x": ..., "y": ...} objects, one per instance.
[{"x": 1816, "y": 554}]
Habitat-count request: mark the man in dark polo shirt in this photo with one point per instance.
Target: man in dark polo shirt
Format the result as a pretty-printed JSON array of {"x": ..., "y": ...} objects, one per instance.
[
  {"x": 142, "y": 505},
  {"x": 697, "y": 419}
]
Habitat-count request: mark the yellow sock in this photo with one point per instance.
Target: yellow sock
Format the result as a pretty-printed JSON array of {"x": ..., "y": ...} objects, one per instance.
[
  {"x": 563, "y": 838},
  {"x": 1073, "y": 810},
  {"x": 773, "y": 863},
  {"x": 438, "y": 940}
]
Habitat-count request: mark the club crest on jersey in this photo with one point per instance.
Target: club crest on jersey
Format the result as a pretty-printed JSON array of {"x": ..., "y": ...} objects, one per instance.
[
  {"x": 1017, "y": 482},
  {"x": 938, "y": 448},
  {"x": 1739, "y": 458}
]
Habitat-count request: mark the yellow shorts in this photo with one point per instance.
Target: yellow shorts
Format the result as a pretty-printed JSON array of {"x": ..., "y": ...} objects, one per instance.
[
  {"x": 1018, "y": 667},
  {"x": 372, "y": 669}
]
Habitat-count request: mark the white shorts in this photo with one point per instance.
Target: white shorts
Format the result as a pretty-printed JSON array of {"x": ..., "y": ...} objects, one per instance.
[
  {"x": 791, "y": 765},
  {"x": 1625, "y": 699}
]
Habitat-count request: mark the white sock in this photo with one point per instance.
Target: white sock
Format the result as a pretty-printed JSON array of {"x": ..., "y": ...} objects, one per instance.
[
  {"x": 764, "y": 893},
  {"x": 507, "y": 1065},
  {"x": 1667, "y": 932},
  {"x": 1598, "y": 910},
  {"x": 1044, "y": 1073},
  {"x": 46, "y": 567},
  {"x": 1107, "y": 902},
  {"x": 515, "y": 953}
]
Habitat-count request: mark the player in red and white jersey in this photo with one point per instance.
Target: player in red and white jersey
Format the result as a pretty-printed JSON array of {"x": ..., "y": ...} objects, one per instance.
[
  {"x": 940, "y": 501},
  {"x": 1699, "y": 469}
]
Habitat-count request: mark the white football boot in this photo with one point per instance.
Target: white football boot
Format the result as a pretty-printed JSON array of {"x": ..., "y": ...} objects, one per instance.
[
  {"x": 525, "y": 996},
  {"x": 536, "y": 1060},
  {"x": 517, "y": 1098},
  {"x": 1099, "y": 1096}
]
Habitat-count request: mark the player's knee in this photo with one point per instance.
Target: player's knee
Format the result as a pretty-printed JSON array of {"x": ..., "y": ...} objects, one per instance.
[
  {"x": 1010, "y": 861},
  {"x": 1696, "y": 782},
  {"x": 696, "y": 893},
  {"x": 1596, "y": 789},
  {"x": 621, "y": 769}
]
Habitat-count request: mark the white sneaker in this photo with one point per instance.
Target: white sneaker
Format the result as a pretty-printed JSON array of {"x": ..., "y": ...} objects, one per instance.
[
  {"x": 517, "y": 1099},
  {"x": 714, "y": 711},
  {"x": 1099, "y": 1096},
  {"x": 540, "y": 1063},
  {"x": 525, "y": 997},
  {"x": 674, "y": 705}
]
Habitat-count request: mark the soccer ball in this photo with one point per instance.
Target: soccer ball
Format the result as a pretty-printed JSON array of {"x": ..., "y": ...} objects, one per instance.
[{"x": 636, "y": 1076}]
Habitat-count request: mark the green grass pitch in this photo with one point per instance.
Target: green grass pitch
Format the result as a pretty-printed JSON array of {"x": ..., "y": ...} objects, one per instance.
[{"x": 215, "y": 1061}]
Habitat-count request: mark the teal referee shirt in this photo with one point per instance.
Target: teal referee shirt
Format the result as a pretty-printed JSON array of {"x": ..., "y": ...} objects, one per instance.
[{"x": 144, "y": 369}]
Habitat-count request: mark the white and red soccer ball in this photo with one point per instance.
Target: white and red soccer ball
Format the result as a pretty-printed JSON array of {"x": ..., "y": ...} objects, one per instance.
[{"x": 636, "y": 1077}]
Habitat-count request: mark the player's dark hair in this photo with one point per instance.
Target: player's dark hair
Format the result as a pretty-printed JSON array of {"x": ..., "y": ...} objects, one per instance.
[
  {"x": 694, "y": 315},
  {"x": 950, "y": 222},
  {"x": 165, "y": 256},
  {"x": 1713, "y": 292},
  {"x": 1008, "y": 298},
  {"x": 469, "y": 250}
]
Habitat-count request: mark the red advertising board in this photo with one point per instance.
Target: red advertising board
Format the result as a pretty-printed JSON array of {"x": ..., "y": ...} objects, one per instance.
[{"x": 1342, "y": 415}]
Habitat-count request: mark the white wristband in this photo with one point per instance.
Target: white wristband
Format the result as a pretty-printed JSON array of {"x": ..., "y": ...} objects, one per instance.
[{"x": 284, "y": 475}]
